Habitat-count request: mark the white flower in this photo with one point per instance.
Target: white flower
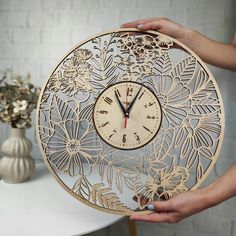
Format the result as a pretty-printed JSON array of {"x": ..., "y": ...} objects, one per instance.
[{"x": 19, "y": 105}]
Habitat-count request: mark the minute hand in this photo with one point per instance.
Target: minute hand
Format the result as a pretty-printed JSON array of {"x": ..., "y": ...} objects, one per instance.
[
  {"x": 132, "y": 103},
  {"x": 121, "y": 105}
]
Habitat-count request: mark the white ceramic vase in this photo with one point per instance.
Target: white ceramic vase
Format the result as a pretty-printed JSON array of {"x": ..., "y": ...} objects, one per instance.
[{"x": 17, "y": 165}]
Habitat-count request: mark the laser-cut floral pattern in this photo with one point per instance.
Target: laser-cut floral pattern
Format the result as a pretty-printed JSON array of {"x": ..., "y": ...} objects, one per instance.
[{"x": 119, "y": 181}]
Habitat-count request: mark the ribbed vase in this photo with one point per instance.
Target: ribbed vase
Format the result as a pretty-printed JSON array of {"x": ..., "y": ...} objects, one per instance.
[{"x": 17, "y": 165}]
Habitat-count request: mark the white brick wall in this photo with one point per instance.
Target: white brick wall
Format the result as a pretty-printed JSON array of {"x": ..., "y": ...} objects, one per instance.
[{"x": 35, "y": 34}]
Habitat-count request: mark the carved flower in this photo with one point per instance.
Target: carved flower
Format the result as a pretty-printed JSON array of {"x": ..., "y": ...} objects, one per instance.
[
  {"x": 138, "y": 72},
  {"x": 173, "y": 96},
  {"x": 166, "y": 184},
  {"x": 54, "y": 82},
  {"x": 164, "y": 42},
  {"x": 73, "y": 148},
  {"x": 83, "y": 55},
  {"x": 76, "y": 76},
  {"x": 149, "y": 165},
  {"x": 197, "y": 133}
]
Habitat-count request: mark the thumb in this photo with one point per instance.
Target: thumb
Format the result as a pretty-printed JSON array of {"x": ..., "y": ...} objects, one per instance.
[{"x": 160, "y": 206}]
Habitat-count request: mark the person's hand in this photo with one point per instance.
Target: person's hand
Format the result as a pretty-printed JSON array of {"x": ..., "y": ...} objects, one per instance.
[
  {"x": 163, "y": 25},
  {"x": 176, "y": 208}
]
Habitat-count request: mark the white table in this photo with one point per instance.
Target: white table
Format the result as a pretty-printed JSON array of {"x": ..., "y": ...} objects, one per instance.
[{"x": 41, "y": 207}]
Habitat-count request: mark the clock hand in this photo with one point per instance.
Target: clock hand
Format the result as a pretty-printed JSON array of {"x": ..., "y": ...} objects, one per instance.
[
  {"x": 121, "y": 105},
  {"x": 126, "y": 106},
  {"x": 132, "y": 103}
]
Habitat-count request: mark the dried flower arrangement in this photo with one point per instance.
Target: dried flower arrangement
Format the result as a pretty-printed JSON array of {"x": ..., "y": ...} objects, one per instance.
[{"x": 18, "y": 98}]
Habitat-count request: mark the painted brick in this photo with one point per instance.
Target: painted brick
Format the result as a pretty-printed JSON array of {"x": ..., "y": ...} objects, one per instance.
[
  {"x": 147, "y": 229},
  {"x": 193, "y": 233},
  {"x": 233, "y": 228},
  {"x": 5, "y": 5},
  {"x": 135, "y": 14},
  {"x": 152, "y": 4},
  {"x": 5, "y": 64},
  {"x": 26, "y": 35},
  {"x": 200, "y": 3},
  {"x": 87, "y": 5},
  {"x": 103, "y": 18},
  {"x": 79, "y": 34},
  {"x": 55, "y": 35},
  {"x": 26, "y": 4},
  {"x": 224, "y": 163},
  {"x": 42, "y": 19},
  {"x": 56, "y": 5},
  {"x": 212, "y": 224},
  {"x": 226, "y": 209},
  {"x": 13, "y": 18},
  {"x": 120, "y": 228},
  {"x": 203, "y": 16},
  {"x": 5, "y": 35},
  {"x": 35, "y": 34},
  {"x": 127, "y": 15},
  {"x": 26, "y": 66},
  {"x": 13, "y": 51},
  {"x": 73, "y": 19}
]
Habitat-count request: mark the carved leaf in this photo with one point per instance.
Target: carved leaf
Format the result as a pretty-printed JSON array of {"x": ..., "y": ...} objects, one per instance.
[
  {"x": 61, "y": 111},
  {"x": 82, "y": 188},
  {"x": 163, "y": 64},
  {"x": 206, "y": 106},
  {"x": 163, "y": 143},
  {"x": 108, "y": 199},
  {"x": 86, "y": 113},
  {"x": 185, "y": 69}
]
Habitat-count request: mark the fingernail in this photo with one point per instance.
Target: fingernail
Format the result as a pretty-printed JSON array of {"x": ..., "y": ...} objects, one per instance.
[
  {"x": 150, "y": 207},
  {"x": 140, "y": 26}
]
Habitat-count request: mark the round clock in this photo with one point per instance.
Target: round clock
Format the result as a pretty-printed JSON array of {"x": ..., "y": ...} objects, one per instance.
[
  {"x": 127, "y": 115},
  {"x": 130, "y": 117}
]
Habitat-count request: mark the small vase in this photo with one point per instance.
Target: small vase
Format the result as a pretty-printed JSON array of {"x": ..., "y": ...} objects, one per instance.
[{"x": 17, "y": 165}]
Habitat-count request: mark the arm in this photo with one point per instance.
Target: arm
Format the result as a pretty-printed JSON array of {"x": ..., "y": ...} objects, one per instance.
[
  {"x": 213, "y": 52},
  {"x": 189, "y": 203}
]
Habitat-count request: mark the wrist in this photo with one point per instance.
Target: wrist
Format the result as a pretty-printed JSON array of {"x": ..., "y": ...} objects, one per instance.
[
  {"x": 187, "y": 36},
  {"x": 208, "y": 198}
]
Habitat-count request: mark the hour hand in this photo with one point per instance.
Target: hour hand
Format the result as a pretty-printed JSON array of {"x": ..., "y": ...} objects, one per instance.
[
  {"x": 132, "y": 103},
  {"x": 121, "y": 105}
]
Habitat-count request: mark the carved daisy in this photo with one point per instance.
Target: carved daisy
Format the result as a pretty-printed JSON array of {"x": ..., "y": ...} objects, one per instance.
[{"x": 73, "y": 148}]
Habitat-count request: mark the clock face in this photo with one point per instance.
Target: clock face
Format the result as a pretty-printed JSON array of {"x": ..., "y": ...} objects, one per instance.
[{"x": 127, "y": 115}]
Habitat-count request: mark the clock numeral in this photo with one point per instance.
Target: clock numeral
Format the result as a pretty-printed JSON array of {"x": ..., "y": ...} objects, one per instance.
[
  {"x": 103, "y": 112},
  {"x": 149, "y": 104},
  {"x": 136, "y": 136},
  {"x": 124, "y": 138},
  {"x": 118, "y": 93},
  {"x": 129, "y": 91},
  {"x": 108, "y": 100},
  {"x": 140, "y": 95},
  {"x": 114, "y": 131},
  {"x": 104, "y": 124},
  {"x": 151, "y": 117},
  {"x": 146, "y": 128}
]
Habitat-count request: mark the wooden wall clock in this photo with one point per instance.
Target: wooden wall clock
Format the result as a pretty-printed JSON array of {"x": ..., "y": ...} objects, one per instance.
[{"x": 129, "y": 117}]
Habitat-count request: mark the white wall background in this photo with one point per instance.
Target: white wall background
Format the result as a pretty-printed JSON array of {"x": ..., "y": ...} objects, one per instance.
[{"x": 35, "y": 34}]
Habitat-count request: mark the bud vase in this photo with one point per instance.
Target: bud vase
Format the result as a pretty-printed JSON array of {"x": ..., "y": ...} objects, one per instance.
[{"x": 17, "y": 165}]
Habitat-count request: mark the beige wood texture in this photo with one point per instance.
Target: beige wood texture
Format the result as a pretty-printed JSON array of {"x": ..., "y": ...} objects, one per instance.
[
  {"x": 135, "y": 129},
  {"x": 187, "y": 128}
]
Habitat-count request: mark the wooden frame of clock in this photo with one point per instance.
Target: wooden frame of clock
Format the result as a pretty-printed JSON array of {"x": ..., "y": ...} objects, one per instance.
[{"x": 129, "y": 117}]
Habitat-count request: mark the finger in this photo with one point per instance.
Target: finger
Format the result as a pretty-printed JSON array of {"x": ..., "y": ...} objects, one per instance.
[
  {"x": 152, "y": 25},
  {"x": 161, "y": 206},
  {"x": 155, "y": 217},
  {"x": 136, "y": 23}
]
